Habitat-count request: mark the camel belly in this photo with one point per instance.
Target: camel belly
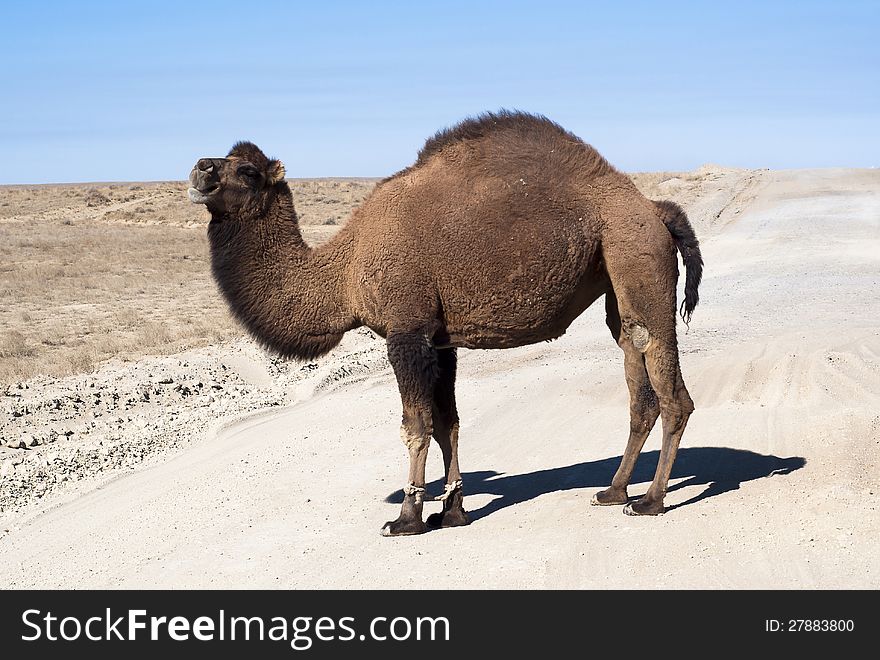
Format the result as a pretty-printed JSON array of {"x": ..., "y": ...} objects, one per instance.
[{"x": 518, "y": 317}]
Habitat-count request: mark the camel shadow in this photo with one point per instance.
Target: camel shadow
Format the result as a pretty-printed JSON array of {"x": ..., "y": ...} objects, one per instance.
[{"x": 721, "y": 469}]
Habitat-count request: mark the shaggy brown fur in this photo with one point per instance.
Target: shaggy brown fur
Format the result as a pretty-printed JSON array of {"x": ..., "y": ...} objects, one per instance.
[{"x": 505, "y": 229}]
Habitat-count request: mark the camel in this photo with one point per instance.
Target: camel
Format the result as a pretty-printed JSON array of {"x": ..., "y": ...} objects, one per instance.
[{"x": 503, "y": 231}]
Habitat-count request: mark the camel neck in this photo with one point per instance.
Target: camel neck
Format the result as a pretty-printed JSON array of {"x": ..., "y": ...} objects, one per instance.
[{"x": 288, "y": 295}]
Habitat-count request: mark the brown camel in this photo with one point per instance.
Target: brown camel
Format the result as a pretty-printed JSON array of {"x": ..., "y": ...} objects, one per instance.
[{"x": 504, "y": 230}]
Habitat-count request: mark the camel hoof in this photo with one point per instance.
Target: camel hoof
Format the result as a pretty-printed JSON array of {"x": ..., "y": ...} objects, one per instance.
[
  {"x": 451, "y": 518},
  {"x": 610, "y": 496},
  {"x": 403, "y": 528},
  {"x": 643, "y": 508}
]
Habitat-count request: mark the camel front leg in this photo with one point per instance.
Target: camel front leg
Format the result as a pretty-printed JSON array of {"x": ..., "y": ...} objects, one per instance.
[
  {"x": 414, "y": 360},
  {"x": 417, "y": 441},
  {"x": 445, "y": 418}
]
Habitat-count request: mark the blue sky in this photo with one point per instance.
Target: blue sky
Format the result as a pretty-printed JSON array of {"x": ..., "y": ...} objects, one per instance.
[{"x": 100, "y": 91}]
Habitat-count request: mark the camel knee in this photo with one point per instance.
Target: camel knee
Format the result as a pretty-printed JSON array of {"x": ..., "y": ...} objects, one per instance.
[
  {"x": 415, "y": 440},
  {"x": 416, "y": 430},
  {"x": 416, "y": 443}
]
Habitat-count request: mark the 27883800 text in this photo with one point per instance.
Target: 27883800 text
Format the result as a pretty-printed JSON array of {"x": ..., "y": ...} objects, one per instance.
[{"x": 809, "y": 625}]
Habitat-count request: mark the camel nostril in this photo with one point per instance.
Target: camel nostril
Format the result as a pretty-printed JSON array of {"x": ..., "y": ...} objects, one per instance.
[{"x": 205, "y": 165}]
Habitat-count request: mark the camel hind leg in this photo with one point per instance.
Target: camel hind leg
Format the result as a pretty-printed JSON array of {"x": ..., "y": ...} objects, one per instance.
[
  {"x": 676, "y": 406},
  {"x": 645, "y": 288},
  {"x": 445, "y": 417},
  {"x": 644, "y": 408}
]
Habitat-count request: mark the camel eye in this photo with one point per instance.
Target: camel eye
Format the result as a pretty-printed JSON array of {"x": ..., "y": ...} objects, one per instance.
[{"x": 248, "y": 172}]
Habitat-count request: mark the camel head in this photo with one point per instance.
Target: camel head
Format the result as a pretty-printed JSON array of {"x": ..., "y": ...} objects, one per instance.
[{"x": 242, "y": 184}]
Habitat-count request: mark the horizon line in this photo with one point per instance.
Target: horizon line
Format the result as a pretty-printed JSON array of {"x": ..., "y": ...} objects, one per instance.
[{"x": 362, "y": 178}]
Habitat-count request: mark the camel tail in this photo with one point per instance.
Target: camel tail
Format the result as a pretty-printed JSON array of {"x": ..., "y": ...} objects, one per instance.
[{"x": 686, "y": 241}]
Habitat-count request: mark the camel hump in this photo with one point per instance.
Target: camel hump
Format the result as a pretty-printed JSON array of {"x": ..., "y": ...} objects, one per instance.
[
  {"x": 512, "y": 127},
  {"x": 685, "y": 239},
  {"x": 512, "y": 139}
]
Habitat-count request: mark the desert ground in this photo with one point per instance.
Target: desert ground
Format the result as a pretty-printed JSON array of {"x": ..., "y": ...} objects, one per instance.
[{"x": 147, "y": 443}]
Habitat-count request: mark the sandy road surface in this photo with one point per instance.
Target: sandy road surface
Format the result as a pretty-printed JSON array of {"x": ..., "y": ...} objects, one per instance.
[{"x": 776, "y": 484}]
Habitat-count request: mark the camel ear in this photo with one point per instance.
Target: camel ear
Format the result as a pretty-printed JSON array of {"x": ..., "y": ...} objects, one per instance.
[{"x": 276, "y": 172}]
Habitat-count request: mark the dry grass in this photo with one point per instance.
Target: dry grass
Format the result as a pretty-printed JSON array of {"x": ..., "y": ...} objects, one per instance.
[{"x": 94, "y": 272}]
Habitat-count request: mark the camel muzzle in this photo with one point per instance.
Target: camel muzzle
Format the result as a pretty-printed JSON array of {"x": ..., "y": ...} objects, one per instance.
[{"x": 204, "y": 179}]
